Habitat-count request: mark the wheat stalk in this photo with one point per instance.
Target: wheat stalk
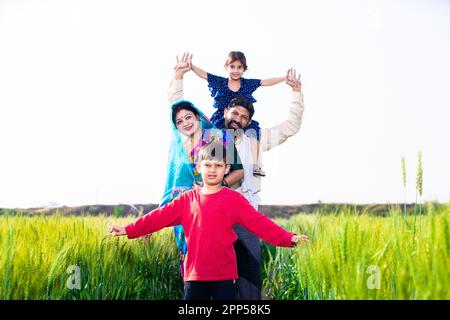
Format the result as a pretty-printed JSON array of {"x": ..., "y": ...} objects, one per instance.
[
  {"x": 404, "y": 187},
  {"x": 419, "y": 180}
]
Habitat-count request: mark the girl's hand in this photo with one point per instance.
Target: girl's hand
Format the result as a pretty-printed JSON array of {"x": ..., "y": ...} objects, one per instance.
[
  {"x": 116, "y": 231},
  {"x": 296, "y": 239},
  {"x": 292, "y": 79},
  {"x": 183, "y": 65}
]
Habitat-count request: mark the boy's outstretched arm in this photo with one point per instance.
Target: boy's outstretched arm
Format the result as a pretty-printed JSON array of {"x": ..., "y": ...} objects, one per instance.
[
  {"x": 165, "y": 216},
  {"x": 272, "y": 81},
  {"x": 264, "y": 227},
  {"x": 114, "y": 230},
  {"x": 298, "y": 239}
]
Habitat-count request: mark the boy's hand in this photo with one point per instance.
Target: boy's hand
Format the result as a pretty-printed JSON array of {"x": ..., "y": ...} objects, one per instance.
[
  {"x": 145, "y": 239},
  {"x": 116, "y": 231},
  {"x": 296, "y": 239}
]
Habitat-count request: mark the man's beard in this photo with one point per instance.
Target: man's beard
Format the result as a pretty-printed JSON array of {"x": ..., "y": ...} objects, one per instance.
[
  {"x": 234, "y": 132},
  {"x": 236, "y": 123}
]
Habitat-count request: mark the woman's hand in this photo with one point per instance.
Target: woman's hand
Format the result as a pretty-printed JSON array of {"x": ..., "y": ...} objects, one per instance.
[
  {"x": 116, "y": 231},
  {"x": 183, "y": 65}
]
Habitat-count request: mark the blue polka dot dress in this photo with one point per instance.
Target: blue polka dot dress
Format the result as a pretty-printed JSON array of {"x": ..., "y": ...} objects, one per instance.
[{"x": 222, "y": 94}]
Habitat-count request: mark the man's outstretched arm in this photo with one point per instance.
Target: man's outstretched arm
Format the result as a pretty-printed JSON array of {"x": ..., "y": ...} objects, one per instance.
[{"x": 274, "y": 136}]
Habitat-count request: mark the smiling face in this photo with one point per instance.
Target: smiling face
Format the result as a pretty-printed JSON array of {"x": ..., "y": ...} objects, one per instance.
[
  {"x": 187, "y": 122},
  {"x": 235, "y": 69},
  {"x": 236, "y": 117},
  {"x": 213, "y": 171}
]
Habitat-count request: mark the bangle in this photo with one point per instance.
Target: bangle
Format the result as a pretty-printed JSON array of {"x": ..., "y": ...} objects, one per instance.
[{"x": 225, "y": 183}]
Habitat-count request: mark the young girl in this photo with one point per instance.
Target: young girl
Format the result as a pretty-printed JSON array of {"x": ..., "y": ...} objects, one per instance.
[{"x": 225, "y": 89}]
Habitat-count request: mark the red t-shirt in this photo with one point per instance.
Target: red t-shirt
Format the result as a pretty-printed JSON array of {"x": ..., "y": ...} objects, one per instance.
[{"x": 208, "y": 221}]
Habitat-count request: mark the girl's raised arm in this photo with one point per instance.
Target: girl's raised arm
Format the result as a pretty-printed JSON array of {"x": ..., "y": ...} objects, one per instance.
[
  {"x": 200, "y": 72},
  {"x": 272, "y": 81}
]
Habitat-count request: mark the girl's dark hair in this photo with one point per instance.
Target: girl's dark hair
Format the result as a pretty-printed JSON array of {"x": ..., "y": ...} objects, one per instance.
[
  {"x": 184, "y": 105},
  {"x": 236, "y": 56}
]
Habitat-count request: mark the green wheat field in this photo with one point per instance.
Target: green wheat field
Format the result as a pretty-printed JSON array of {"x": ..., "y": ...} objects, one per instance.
[{"x": 350, "y": 256}]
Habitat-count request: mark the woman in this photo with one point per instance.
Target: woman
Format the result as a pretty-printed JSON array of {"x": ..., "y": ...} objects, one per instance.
[{"x": 191, "y": 129}]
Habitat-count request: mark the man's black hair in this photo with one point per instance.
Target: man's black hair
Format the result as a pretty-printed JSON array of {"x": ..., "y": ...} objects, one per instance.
[{"x": 242, "y": 102}]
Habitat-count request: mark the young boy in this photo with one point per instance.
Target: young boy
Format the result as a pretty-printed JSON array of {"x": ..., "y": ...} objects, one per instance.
[{"x": 208, "y": 215}]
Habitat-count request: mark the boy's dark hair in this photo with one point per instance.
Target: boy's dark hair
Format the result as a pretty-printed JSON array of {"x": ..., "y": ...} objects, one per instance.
[
  {"x": 242, "y": 102},
  {"x": 183, "y": 105},
  {"x": 213, "y": 151},
  {"x": 236, "y": 56}
]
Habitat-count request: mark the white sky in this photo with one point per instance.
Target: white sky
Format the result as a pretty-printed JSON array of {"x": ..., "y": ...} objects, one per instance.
[{"x": 84, "y": 117}]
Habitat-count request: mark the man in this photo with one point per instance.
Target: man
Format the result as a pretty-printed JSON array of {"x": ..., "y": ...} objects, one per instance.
[{"x": 236, "y": 117}]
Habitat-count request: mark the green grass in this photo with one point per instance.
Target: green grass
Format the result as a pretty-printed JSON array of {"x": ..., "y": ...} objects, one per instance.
[
  {"x": 37, "y": 252},
  {"x": 346, "y": 249}
]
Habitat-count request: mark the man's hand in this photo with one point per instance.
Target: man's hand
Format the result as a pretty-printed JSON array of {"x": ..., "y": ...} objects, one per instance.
[
  {"x": 296, "y": 239},
  {"x": 198, "y": 184},
  {"x": 116, "y": 231},
  {"x": 292, "y": 80},
  {"x": 183, "y": 65}
]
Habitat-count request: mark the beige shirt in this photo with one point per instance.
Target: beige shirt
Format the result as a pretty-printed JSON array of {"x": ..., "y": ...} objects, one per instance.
[{"x": 270, "y": 137}]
